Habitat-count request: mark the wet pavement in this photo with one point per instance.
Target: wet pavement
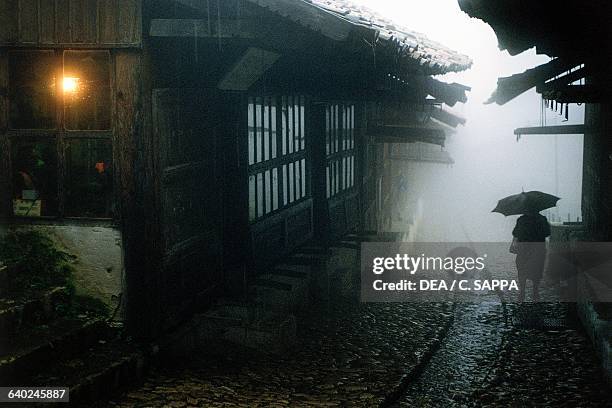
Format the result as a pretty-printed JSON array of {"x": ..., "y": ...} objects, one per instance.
[
  {"x": 348, "y": 354},
  {"x": 352, "y": 354},
  {"x": 465, "y": 359},
  {"x": 366, "y": 355},
  {"x": 533, "y": 355}
]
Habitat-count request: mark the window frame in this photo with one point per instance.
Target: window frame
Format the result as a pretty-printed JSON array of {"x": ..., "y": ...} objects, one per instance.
[
  {"x": 288, "y": 148},
  {"x": 340, "y": 149},
  {"x": 63, "y": 137}
]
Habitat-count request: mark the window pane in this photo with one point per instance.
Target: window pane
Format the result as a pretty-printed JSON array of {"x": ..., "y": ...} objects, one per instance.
[
  {"x": 336, "y": 126},
  {"x": 258, "y": 130},
  {"x": 291, "y": 183},
  {"x": 251, "y": 121},
  {"x": 274, "y": 135},
  {"x": 274, "y": 189},
  {"x": 89, "y": 185},
  {"x": 35, "y": 177},
  {"x": 285, "y": 187},
  {"x": 260, "y": 200},
  {"x": 32, "y": 88},
  {"x": 87, "y": 92},
  {"x": 268, "y": 192},
  {"x": 252, "y": 199},
  {"x": 337, "y": 172},
  {"x": 344, "y": 184},
  {"x": 266, "y": 127},
  {"x": 332, "y": 188},
  {"x": 298, "y": 181},
  {"x": 327, "y": 178},
  {"x": 303, "y": 177}
]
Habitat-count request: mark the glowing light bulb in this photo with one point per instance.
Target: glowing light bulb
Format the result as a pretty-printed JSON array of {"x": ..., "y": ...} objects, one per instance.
[{"x": 70, "y": 84}]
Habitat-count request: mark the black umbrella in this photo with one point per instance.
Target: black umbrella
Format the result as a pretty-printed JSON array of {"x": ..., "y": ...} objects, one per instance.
[{"x": 525, "y": 202}]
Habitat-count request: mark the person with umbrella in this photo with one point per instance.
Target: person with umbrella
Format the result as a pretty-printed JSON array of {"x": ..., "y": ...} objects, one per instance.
[{"x": 530, "y": 235}]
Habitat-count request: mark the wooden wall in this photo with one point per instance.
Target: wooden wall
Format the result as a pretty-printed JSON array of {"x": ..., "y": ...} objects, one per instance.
[
  {"x": 4, "y": 146},
  {"x": 186, "y": 128},
  {"x": 76, "y": 23},
  {"x": 282, "y": 233}
]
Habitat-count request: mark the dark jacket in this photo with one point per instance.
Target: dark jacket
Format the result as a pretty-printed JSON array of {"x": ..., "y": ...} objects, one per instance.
[{"x": 531, "y": 228}]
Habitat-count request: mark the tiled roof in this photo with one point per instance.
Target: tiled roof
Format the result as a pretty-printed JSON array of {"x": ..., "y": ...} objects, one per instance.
[{"x": 412, "y": 44}]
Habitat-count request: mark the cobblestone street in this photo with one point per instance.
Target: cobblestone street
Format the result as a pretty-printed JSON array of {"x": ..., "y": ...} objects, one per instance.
[
  {"x": 488, "y": 360},
  {"x": 352, "y": 354},
  {"x": 379, "y": 354}
]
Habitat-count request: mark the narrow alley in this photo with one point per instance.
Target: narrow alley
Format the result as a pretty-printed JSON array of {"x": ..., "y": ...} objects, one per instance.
[
  {"x": 306, "y": 203},
  {"x": 482, "y": 353}
]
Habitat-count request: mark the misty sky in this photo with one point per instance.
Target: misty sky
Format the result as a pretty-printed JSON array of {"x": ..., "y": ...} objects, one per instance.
[{"x": 490, "y": 163}]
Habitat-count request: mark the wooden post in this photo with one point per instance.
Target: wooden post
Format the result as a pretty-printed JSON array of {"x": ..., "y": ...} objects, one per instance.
[
  {"x": 5, "y": 195},
  {"x": 318, "y": 177},
  {"x": 129, "y": 145}
]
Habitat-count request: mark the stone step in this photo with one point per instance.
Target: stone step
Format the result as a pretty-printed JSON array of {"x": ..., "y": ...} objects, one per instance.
[
  {"x": 41, "y": 346},
  {"x": 336, "y": 274},
  {"x": 224, "y": 326},
  {"x": 278, "y": 293},
  {"x": 95, "y": 374},
  {"x": 15, "y": 315}
]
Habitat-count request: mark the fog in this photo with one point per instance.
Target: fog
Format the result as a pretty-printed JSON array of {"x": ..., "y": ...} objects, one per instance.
[{"x": 489, "y": 162}]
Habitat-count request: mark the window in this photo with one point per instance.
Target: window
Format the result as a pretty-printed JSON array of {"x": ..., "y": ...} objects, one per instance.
[
  {"x": 32, "y": 90},
  {"x": 89, "y": 178},
  {"x": 86, "y": 85},
  {"x": 277, "y": 154},
  {"x": 35, "y": 177},
  {"x": 340, "y": 148},
  {"x": 60, "y": 133}
]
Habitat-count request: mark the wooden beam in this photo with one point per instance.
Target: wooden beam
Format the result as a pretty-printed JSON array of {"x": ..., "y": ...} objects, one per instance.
[
  {"x": 562, "y": 81},
  {"x": 406, "y": 134},
  {"x": 248, "y": 69},
  {"x": 440, "y": 160},
  {"x": 447, "y": 117},
  {"x": 199, "y": 28},
  {"x": 552, "y": 130},
  {"x": 578, "y": 94},
  {"x": 450, "y": 94},
  {"x": 510, "y": 87}
]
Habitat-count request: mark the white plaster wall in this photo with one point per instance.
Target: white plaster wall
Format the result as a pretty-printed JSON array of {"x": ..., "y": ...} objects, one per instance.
[{"x": 99, "y": 263}]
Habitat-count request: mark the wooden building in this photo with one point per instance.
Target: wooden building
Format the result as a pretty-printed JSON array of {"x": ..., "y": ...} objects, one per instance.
[
  {"x": 577, "y": 36},
  {"x": 212, "y": 136}
]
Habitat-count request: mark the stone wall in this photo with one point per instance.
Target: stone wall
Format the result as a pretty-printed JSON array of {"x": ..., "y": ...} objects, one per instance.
[{"x": 99, "y": 259}]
